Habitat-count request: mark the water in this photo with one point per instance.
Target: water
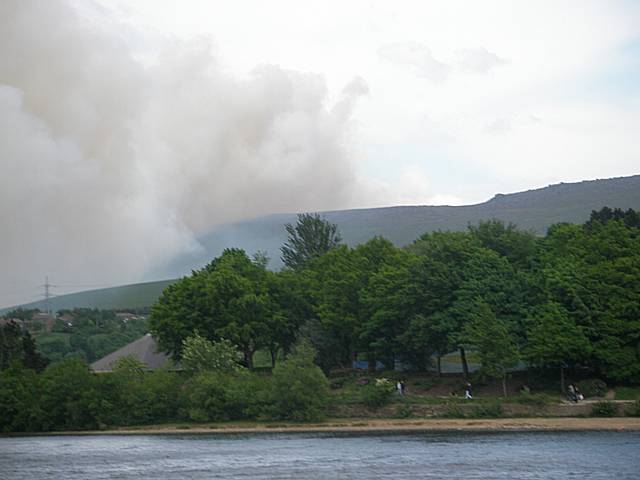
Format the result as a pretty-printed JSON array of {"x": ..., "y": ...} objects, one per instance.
[{"x": 533, "y": 455}]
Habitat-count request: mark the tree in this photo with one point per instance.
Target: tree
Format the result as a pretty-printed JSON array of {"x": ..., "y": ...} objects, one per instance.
[
  {"x": 334, "y": 287},
  {"x": 311, "y": 237},
  {"x": 490, "y": 338},
  {"x": 70, "y": 398},
  {"x": 593, "y": 272},
  {"x": 229, "y": 298},
  {"x": 288, "y": 290},
  {"x": 519, "y": 247},
  {"x": 553, "y": 340},
  {"x": 18, "y": 345},
  {"x": 200, "y": 354},
  {"x": 20, "y": 392}
]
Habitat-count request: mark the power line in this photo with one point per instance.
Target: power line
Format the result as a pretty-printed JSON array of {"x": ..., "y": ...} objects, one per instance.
[{"x": 47, "y": 307}]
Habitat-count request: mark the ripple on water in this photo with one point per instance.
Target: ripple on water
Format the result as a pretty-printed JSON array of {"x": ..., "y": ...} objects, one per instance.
[{"x": 533, "y": 455}]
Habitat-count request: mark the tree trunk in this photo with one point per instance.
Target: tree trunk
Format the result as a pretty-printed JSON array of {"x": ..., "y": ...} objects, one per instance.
[
  {"x": 465, "y": 365},
  {"x": 504, "y": 385},
  {"x": 562, "y": 378},
  {"x": 274, "y": 355},
  {"x": 371, "y": 363},
  {"x": 439, "y": 365},
  {"x": 248, "y": 359}
]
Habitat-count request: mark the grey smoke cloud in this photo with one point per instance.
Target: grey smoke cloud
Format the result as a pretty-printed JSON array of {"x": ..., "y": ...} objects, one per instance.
[{"x": 111, "y": 164}]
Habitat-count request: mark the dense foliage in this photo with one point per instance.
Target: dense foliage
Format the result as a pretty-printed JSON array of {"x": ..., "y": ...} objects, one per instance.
[
  {"x": 17, "y": 345},
  {"x": 86, "y": 333},
  {"x": 567, "y": 300}
]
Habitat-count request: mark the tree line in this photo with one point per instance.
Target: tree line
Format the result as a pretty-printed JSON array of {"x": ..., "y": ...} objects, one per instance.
[{"x": 568, "y": 299}]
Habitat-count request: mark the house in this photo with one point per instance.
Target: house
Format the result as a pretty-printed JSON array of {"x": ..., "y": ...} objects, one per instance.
[
  {"x": 45, "y": 319},
  {"x": 144, "y": 349}
]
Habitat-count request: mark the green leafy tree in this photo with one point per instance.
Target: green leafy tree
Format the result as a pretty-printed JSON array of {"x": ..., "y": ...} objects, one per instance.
[
  {"x": 20, "y": 409},
  {"x": 17, "y": 344},
  {"x": 229, "y": 298},
  {"x": 70, "y": 397},
  {"x": 200, "y": 354},
  {"x": 593, "y": 272},
  {"x": 311, "y": 237},
  {"x": 490, "y": 338},
  {"x": 292, "y": 307},
  {"x": 553, "y": 340},
  {"x": 517, "y": 246},
  {"x": 335, "y": 282},
  {"x": 383, "y": 295}
]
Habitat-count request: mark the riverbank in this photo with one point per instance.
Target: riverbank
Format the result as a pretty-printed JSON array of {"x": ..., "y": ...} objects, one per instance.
[{"x": 378, "y": 425}]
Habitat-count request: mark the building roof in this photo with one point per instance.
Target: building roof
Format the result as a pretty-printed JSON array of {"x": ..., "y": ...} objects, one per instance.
[{"x": 144, "y": 349}]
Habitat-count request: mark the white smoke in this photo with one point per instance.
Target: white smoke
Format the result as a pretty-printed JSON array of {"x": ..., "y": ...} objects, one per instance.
[{"x": 110, "y": 164}]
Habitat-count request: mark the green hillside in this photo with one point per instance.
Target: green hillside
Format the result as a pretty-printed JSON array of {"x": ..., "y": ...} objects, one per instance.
[
  {"x": 533, "y": 209},
  {"x": 138, "y": 295}
]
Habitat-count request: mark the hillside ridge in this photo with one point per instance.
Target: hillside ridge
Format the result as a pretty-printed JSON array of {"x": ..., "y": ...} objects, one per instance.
[{"x": 534, "y": 209}]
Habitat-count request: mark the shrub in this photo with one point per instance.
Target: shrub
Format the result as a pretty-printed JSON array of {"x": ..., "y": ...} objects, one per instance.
[
  {"x": 220, "y": 396},
  {"x": 19, "y": 400},
  {"x": 604, "y": 409},
  {"x": 634, "y": 411},
  {"x": 300, "y": 389},
  {"x": 200, "y": 354},
  {"x": 70, "y": 398},
  {"x": 379, "y": 393},
  {"x": 207, "y": 397},
  {"x": 593, "y": 387}
]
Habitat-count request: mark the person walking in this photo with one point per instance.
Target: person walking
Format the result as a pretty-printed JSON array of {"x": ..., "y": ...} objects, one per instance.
[{"x": 467, "y": 391}]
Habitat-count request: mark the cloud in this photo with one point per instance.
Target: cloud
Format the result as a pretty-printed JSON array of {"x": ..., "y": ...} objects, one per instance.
[
  {"x": 477, "y": 60},
  {"x": 111, "y": 166},
  {"x": 417, "y": 57},
  {"x": 499, "y": 126}
]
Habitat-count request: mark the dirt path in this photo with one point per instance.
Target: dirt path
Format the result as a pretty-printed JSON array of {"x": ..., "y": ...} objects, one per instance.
[{"x": 384, "y": 425}]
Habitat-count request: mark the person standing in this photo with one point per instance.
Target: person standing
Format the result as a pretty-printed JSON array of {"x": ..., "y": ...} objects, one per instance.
[{"x": 572, "y": 393}]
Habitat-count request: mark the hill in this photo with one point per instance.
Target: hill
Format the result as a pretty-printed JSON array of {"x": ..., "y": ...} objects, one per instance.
[
  {"x": 534, "y": 210},
  {"x": 138, "y": 295}
]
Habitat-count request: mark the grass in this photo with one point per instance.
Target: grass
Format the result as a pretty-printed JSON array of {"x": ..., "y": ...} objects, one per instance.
[{"x": 627, "y": 393}]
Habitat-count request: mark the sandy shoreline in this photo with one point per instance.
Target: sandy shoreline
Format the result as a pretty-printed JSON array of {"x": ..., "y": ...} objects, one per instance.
[{"x": 382, "y": 425}]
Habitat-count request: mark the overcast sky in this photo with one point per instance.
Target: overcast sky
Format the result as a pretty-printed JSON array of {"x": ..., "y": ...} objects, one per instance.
[{"x": 129, "y": 128}]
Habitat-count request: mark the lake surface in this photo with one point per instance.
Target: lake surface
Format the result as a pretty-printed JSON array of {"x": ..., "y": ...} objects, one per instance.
[{"x": 531, "y": 455}]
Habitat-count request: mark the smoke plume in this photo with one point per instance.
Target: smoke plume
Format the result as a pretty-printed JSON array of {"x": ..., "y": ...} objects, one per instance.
[{"x": 114, "y": 161}]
